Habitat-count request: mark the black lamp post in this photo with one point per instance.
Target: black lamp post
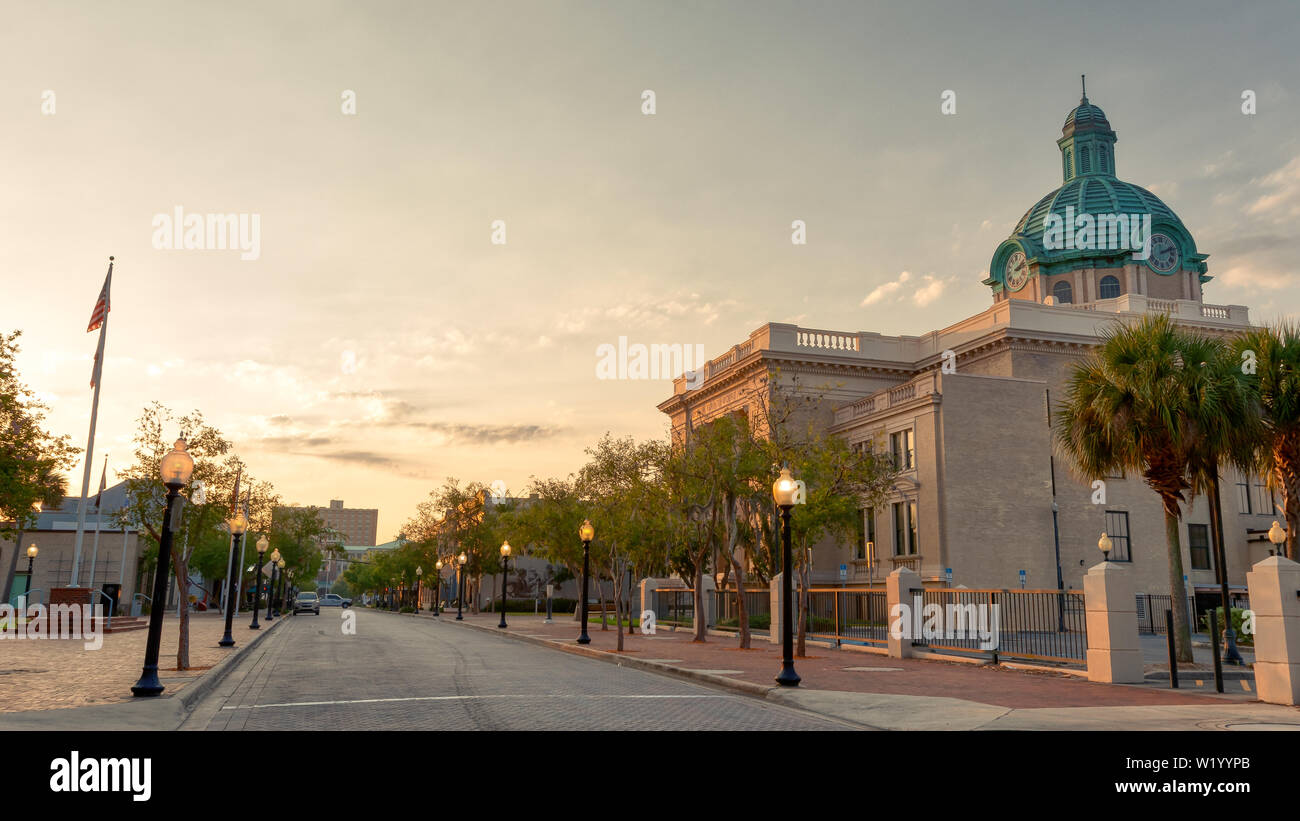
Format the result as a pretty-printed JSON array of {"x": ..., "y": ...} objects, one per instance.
[
  {"x": 176, "y": 468},
  {"x": 460, "y": 584},
  {"x": 32, "y": 550},
  {"x": 437, "y": 586},
  {"x": 262, "y": 545},
  {"x": 270, "y": 585},
  {"x": 586, "y": 532},
  {"x": 279, "y": 597},
  {"x": 783, "y": 491},
  {"x": 237, "y": 524},
  {"x": 505, "y": 574}
]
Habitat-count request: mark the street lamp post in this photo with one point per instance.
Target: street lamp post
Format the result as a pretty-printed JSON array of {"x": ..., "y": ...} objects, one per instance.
[
  {"x": 437, "y": 586},
  {"x": 505, "y": 574},
  {"x": 419, "y": 576},
  {"x": 237, "y": 524},
  {"x": 1104, "y": 544},
  {"x": 783, "y": 491},
  {"x": 270, "y": 585},
  {"x": 460, "y": 584},
  {"x": 586, "y": 532},
  {"x": 262, "y": 545},
  {"x": 32, "y": 550},
  {"x": 176, "y": 468},
  {"x": 284, "y": 580}
]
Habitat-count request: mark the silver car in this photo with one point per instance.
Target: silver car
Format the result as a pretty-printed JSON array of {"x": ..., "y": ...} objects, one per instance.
[{"x": 306, "y": 601}]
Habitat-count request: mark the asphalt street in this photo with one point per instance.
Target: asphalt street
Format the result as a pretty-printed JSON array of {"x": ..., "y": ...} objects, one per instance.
[{"x": 403, "y": 673}]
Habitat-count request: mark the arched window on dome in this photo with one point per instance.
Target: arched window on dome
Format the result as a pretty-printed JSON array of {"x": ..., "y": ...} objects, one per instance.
[
  {"x": 1101, "y": 155},
  {"x": 1085, "y": 161},
  {"x": 1108, "y": 288},
  {"x": 1063, "y": 293}
]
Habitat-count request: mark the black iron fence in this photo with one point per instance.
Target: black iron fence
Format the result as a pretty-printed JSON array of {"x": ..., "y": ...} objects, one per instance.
[
  {"x": 848, "y": 614},
  {"x": 1046, "y": 625},
  {"x": 726, "y": 606},
  {"x": 675, "y": 605},
  {"x": 1151, "y": 609}
]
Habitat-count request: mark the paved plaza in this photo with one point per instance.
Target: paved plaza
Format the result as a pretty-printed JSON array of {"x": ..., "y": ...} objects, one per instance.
[{"x": 46, "y": 674}]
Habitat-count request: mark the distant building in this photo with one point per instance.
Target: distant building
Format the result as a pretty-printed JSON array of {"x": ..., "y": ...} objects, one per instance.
[
  {"x": 115, "y": 562},
  {"x": 354, "y": 525}
]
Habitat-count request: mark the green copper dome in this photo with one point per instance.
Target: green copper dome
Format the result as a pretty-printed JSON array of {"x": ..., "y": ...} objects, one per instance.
[{"x": 1090, "y": 187}]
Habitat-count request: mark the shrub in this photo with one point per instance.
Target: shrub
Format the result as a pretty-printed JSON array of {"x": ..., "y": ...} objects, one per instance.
[
  {"x": 407, "y": 609},
  {"x": 1238, "y": 614}
]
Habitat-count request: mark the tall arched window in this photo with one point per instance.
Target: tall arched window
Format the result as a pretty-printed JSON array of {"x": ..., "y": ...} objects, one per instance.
[
  {"x": 1063, "y": 293},
  {"x": 1108, "y": 288}
]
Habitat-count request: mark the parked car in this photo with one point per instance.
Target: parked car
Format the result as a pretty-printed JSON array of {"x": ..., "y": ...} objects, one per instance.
[
  {"x": 306, "y": 601},
  {"x": 334, "y": 600}
]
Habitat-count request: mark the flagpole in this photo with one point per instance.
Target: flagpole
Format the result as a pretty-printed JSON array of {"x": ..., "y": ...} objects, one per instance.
[
  {"x": 243, "y": 545},
  {"x": 90, "y": 439},
  {"x": 99, "y": 515}
]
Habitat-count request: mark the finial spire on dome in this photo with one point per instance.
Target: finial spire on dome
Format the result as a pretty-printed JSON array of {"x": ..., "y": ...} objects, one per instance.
[{"x": 1083, "y": 79}]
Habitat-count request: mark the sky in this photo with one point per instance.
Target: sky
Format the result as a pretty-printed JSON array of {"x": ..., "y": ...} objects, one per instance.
[{"x": 377, "y": 340}]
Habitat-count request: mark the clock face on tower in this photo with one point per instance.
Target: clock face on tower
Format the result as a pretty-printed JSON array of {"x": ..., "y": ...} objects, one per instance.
[
  {"x": 1163, "y": 256},
  {"x": 1017, "y": 271}
]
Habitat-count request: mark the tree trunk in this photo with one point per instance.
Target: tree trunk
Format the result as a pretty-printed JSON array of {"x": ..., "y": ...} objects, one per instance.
[
  {"x": 617, "y": 602},
  {"x": 182, "y": 591},
  {"x": 701, "y": 629},
  {"x": 600, "y": 590},
  {"x": 1177, "y": 590},
  {"x": 803, "y": 609},
  {"x": 13, "y": 568},
  {"x": 1286, "y": 476}
]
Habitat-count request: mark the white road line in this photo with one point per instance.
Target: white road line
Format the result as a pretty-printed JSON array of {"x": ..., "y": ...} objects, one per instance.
[{"x": 453, "y": 698}]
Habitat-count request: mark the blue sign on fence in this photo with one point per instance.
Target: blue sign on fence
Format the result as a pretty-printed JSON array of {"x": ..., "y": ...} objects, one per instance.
[{"x": 1022, "y": 580}]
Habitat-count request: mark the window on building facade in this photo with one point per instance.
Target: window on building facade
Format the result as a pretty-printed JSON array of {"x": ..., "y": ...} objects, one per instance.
[
  {"x": 901, "y": 445},
  {"x": 1117, "y": 530},
  {"x": 904, "y": 528},
  {"x": 866, "y": 533},
  {"x": 1263, "y": 498},
  {"x": 1243, "y": 497},
  {"x": 911, "y": 528},
  {"x": 1063, "y": 292},
  {"x": 1198, "y": 542},
  {"x": 1108, "y": 288}
]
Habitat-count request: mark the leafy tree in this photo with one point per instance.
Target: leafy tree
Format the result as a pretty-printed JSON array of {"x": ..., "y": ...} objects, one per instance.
[
  {"x": 32, "y": 461},
  {"x": 1132, "y": 405},
  {"x": 1269, "y": 359},
  {"x": 617, "y": 484},
  {"x": 203, "y": 526}
]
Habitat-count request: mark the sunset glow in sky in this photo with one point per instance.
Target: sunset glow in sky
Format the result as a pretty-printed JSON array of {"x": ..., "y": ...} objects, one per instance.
[{"x": 380, "y": 341}]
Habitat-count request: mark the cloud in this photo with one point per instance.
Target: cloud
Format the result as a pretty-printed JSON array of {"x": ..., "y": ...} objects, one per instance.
[
  {"x": 880, "y": 292},
  {"x": 924, "y": 291},
  {"x": 1282, "y": 203}
]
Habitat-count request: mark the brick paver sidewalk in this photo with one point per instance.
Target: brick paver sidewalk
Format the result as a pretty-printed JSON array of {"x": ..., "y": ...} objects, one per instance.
[
  {"x": 826, "y": 668},
  {"x": 44, "y": 674}
]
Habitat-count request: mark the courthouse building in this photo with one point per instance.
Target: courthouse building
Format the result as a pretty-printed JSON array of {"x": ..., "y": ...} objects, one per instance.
[{"x": 979, "y": 481}]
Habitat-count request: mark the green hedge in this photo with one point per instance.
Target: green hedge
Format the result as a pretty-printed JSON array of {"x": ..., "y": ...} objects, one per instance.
[{"x": 1238, "y": 614}]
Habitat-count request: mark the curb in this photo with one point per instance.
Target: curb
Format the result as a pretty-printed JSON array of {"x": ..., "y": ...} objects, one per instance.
[{"x": 192, "y": 693}]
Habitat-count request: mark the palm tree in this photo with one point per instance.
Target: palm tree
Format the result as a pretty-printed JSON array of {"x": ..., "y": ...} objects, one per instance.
[
  {"x": 1225, "y": 428},
  {"x": 1269, "y": 359},
  {"x": 1130, "y": 406}
]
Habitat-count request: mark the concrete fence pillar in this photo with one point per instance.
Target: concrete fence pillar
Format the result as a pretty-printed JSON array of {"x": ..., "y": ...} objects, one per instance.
[
  {"x": 709, "y": 584},
  {"x": 898, "y": 594},
  {"x": 1110, "y": 609},
  {"x": 1274, "y": 586},
  {"x": 648, "y": 587}
]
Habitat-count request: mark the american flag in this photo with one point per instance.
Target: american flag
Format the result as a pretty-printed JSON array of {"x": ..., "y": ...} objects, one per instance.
[{"x": 100, "y": 313}]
